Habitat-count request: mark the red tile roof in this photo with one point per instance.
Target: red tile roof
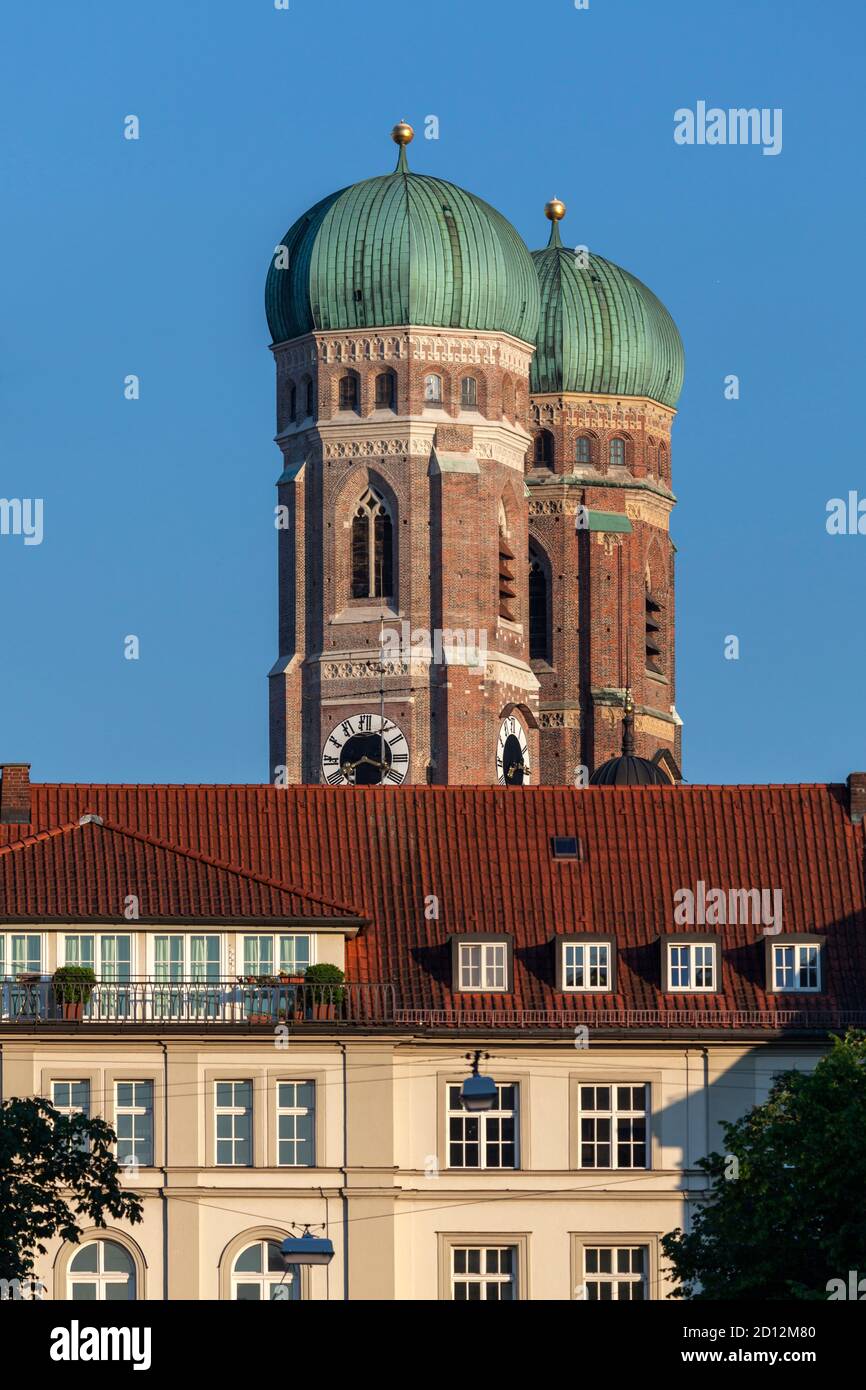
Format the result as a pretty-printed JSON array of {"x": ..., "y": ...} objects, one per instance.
[
  {"x": 87, "y": 869},
  {"x": 483, "y": 855}
]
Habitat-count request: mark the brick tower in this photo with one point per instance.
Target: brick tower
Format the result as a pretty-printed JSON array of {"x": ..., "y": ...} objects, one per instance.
[
  {"x": 604, "y": 383},
  {"x": 403, "y": 312}
]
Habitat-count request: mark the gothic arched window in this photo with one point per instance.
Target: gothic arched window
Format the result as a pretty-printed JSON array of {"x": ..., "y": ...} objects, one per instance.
[
  {"x": 433, "y": 389},
  {"x": 385, "y": 391},
  {"x": 293, "y": 402},
  {"x": 583, "y": 450},
  {"x": 654, "y": 639},
  {"x": 372, "y": 548},
  {"x": 543, "y": 452},
  {"x": 616, "y": 453},
  {"x": 348, "y": 392},
  {"x": 310, "y": 401},
  {"x": 468, "y": 392},
  {"x": 662, "y": 459},
  {"x": 539, "y": 641}
]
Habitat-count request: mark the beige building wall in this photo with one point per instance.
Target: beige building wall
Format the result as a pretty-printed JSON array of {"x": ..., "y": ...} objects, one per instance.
[{"x": 382, "y": 1171}]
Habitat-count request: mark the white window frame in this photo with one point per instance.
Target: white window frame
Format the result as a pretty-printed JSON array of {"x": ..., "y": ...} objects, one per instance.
[
  {"x": 484, "y": 1278},
  {"x": 98, "y": 937},
  {"x": 69, "y": 1110},
  {"x": 102, "y": 1277},
  {"x": 276, "y": 939},
  {"x": 585, "y": 950},
  {"x": 613, "y": 1113},
  {"x": 288, "y": 1279},
  {"x": 617, "y": 1279},
  {"x": 236, "y": 1112},
  {"x": 799, "y": 949},
  {"x": 693, "y": 966},
  {"x": 293, "y": 1112},
  {"x": 492, "y": 961},
  {"x": 486, "y": 1120},
  {"x": 187, "y": 955},
  {"x": 6, "y": 953},
  {"x": 134, "y": 1110}
]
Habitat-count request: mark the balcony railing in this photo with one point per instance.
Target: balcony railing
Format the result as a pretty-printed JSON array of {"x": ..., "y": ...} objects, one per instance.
[
  {"x": 135, "y": 1001},
  {"x": 34, "y": 1001}
]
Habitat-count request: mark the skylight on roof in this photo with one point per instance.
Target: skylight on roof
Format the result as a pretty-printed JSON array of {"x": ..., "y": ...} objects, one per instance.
[{"x": 565, "y": 847}]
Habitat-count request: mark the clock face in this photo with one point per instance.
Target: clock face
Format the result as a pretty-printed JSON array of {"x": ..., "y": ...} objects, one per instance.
[
  {"x": 365, "y": 751},
  {"x": 512, "y": 754}
]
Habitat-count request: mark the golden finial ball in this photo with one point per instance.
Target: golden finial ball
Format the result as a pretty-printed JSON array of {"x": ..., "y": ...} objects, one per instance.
[
  {"x": 402, "y": 134},
  {"x": 554, "y": 210}
]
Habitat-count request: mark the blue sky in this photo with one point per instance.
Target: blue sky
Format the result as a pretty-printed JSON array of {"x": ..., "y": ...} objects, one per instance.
[{"x": 149, "y": 257}]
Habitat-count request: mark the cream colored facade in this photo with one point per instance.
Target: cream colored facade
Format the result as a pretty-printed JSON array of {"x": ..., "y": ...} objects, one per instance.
[{"x": 382, "y": 1184}]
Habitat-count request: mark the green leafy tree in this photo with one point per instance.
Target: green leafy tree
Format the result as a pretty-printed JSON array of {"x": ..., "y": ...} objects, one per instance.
[
  {"x": 54, "y": 1169},
  {"x": 786, "y": 1211}
]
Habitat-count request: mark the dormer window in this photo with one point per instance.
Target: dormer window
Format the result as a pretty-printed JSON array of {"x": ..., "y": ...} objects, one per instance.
[
  {"x": 689, "y": 965},
  {"x": 795, "y": 965},
  {"x": 585, "y": 964},
  {"x": 481, "y": 964}
]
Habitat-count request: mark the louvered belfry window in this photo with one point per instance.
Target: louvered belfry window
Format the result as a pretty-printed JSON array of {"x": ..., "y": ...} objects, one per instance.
[
  {"x": 507, "y": 579},
  {"x": 653, "y": 639},
  {"x": 372, "y": 548}
]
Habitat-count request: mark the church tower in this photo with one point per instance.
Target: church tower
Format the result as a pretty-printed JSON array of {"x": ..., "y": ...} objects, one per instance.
[
  {"x": 604, "y": 382},
  {"x": 403, "y": 312}
]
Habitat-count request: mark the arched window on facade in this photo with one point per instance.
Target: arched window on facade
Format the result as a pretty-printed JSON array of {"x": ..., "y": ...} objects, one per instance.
[
  {"x": 293, "y": 402},
  {"x": 101, "y": 1271},
  {"x": 433, "y": 389},
  {"x": 372, "y": 548},
  {"x": 386, "y": 391},
  {"x": 543, "y": 451},
  {"x": 539, "y": 614},
  {"x": 348, "y": 392},
  {"x": 662, "y": 460},
  {"x": 258, "y": 1275},
  {"x": 616, "y": 453},
  {"x": 468, "y": 392},
  {"x": 583, "y": 449},
  {"x": 310, "y": 404}
]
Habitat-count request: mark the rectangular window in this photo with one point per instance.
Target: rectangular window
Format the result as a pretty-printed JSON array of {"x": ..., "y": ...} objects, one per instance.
[
  {"x": 295, "y": 954},
  {"x": 692, "y": 967},
  {"x": 796, "y": 968},
  {"x": 71, "y": 1097},
  {"x": 468, "y": 392},
  {"x": 615, "y": 1273},
  {"x": 612, "y": 1124},
  {"x": 484, "y": 1273},
  {"x": 296, "y": 1118},
  {"x": 26, "y": 954},
  {"x": 133, "y": 1122},
  {"x": 487, "y": 1139},
  {"x": 234, "y": 1123},
  {"x": 483, "y": 966},
  {"x": 586, "y": 965}
]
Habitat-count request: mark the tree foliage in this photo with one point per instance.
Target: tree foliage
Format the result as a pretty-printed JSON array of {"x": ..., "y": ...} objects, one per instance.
[
  {"x": 790, "y": 1214},
  {"x": 54, "y": 1169}
]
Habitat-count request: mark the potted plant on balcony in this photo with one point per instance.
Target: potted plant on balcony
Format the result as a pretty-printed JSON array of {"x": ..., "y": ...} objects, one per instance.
[
  {"x": 261, "y": 1004},
  {"x": 73, "y": 986},
  {"x": 324, "y": 989}
]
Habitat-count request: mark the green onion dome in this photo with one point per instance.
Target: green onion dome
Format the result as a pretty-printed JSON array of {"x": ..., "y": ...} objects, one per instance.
[
  {"x": 402, "y": 249},
  {"x": 601, "y": 331}
]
